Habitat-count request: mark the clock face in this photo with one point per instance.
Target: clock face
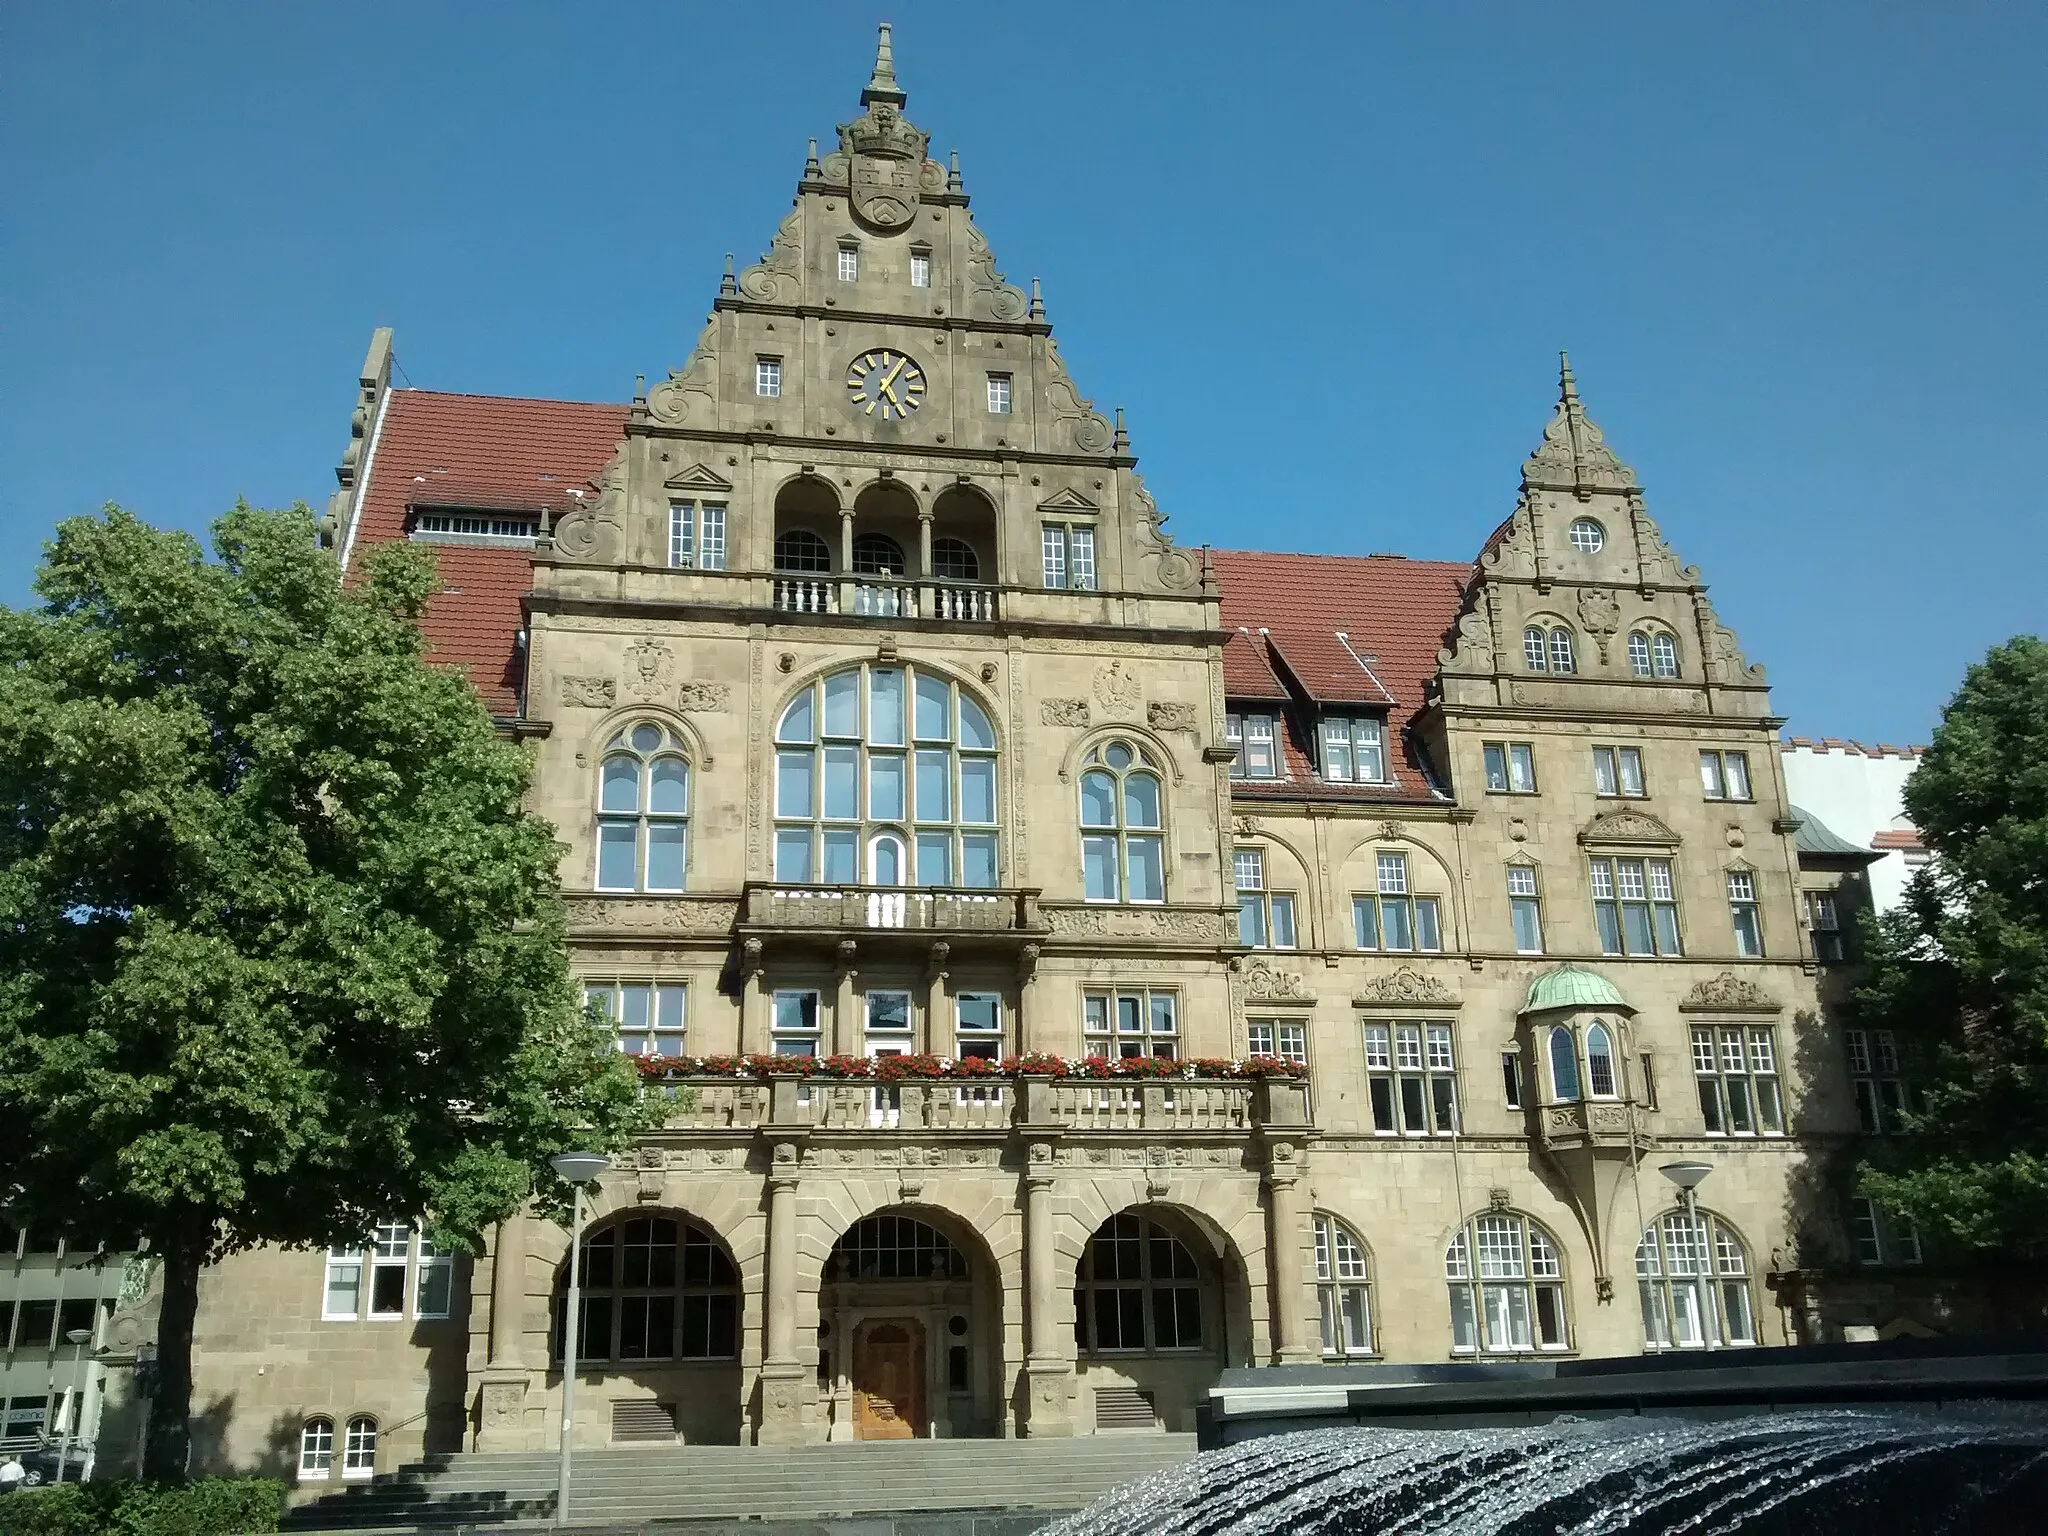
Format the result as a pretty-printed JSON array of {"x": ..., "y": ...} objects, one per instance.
[{"x": 885, "y": 383}]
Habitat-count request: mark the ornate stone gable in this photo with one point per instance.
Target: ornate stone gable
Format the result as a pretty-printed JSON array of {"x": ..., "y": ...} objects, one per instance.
[{"x": 1574, "y": 455}]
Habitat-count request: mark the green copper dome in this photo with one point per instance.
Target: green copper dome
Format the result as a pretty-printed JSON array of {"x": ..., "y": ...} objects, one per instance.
[{"x": 1573, "y": 986}]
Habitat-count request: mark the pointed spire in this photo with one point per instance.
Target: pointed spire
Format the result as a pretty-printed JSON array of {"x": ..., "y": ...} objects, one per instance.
[
  {"x": 1574, "y": 455},
  {"x": 1037, "y": 301},
  {"x": 1121, "y": 443},
  {"x": 953, "y": 181},
  {"x": 813, "y": 169},
  {"x": 882, "y": 84},
  {"x": 726, "y": 284}
]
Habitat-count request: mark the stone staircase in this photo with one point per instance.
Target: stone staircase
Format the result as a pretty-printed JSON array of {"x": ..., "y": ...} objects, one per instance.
[{"x": 632, "y": 1488}]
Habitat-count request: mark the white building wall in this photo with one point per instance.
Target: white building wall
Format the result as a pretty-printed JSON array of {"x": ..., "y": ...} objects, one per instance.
[{"x": 1858, "y": 792}]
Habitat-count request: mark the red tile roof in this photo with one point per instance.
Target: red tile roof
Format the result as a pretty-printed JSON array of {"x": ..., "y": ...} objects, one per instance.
[
  {"x": 1907, "y": 840},
  {"x": 436, "y": 450}
]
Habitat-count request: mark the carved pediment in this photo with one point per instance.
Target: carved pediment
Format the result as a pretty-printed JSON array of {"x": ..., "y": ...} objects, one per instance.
[
  {"x": 1264, "y": 984},
  {"x": 1729, "y": 993},
  {"x": 1406, "y": 985},
  {"x": 1067, "y": 500},
  {"x": 698, "y": 477},
  {"x": 1628, "y": 827}
]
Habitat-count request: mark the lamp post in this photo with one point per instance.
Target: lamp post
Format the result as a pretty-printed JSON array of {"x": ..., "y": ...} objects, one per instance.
[
  {"x": 74, "y": 1406},
  {"x": 577, "y": 1169},
  {"x": 1688, "y": 1177}
]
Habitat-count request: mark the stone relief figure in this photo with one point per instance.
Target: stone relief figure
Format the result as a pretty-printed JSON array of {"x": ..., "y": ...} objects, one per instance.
[{"x": 649, "y": 664}]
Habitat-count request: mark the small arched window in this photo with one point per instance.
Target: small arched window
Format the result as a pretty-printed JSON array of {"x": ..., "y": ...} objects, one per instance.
[
  {"x": 1535, "y": 653},
  {"x": 1587, "y": 536},
  {"x": 1562, "y": 658},
  {"x": 1343, "y": 1285},
  {"x": 1507, "y": 1287},
  {"x": 1600, "y": 1074},
  {"x": 1694, "y": 1278},
  {"x": 643, "y": 811},
  {"x": 654, "y": 1288},
  {"x": 802, "y": 551},
  {"x": 316, "y": 1448},
  {"x": 1638, "y": 654},
  {"x": 359, "y": 1447},
  {"x": 1123, "y": 847},
  {"x": 876, "y": 554},
  {"x": 955, "y": 560},
  {"x": 1664, "y": 651},
  {"x": 1139, "y": 1290},
  {"x": 1564, "y": 1065}
]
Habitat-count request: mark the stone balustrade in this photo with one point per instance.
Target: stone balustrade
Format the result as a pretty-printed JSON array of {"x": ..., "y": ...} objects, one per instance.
[{"x": 870, "y": 908}]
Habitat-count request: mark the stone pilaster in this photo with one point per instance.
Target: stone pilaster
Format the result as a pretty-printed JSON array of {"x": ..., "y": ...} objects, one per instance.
[
  {"x": 1049, "y": 1373},
  {"x": 1291, "y": 1342},
  {"x": 782, "y": 1374}
]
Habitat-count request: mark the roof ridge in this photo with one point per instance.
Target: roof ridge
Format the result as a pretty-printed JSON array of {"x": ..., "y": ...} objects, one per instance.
[
  {"x": 1383, "y": 561},
  {"x": 463, "y": 394}
]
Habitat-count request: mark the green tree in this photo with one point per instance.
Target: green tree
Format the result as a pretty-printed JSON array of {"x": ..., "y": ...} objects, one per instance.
[
  {"x": 1962, "y": 967},
  {"x": 281, "y": 954}
]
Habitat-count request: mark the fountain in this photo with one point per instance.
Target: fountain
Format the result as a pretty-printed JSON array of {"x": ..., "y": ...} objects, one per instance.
[{"x": 1980, "y": 1468}]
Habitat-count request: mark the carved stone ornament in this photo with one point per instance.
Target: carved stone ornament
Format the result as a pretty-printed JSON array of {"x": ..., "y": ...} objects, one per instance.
[
  {"x": 589, "y": 692},
  {"x": 1499, "y": 1198},
  {"x": 649, "y": 665},
  {"x": 1574, "y": 455},
  {"x": 1063, "y": 712},
  {"x": 1246, "y": 826},
  {"x": 1264, "y": 984},
  {"x": 1406, "y": 985},
  {"x": 1600, "y": 615},
  {"x": 691, "y": 388},
  {"x": 1730, "y": 993},
  {"x": 1628, "y": 827},
  {"x": 651, "y": 915},
  {"x": 1116, "y": 688},
  {"x": 1143, "y": 923},
  {"x": 704, "y": 698},
  {"x": 1170, "y": 717}
]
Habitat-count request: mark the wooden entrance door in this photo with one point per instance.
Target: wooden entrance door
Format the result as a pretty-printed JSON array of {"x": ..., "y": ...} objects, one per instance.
[{"x": 888, "y": 1380}]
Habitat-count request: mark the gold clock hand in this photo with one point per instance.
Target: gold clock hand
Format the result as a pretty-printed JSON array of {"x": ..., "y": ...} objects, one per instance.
[{"x": 889, "y": 378}]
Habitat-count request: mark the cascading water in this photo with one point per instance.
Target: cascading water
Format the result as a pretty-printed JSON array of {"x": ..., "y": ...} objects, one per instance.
[{"x": 1981, "y": 1470}]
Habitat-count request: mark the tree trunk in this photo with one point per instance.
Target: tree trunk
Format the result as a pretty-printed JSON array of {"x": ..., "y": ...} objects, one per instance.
[{"x": 168, "y": 1449}]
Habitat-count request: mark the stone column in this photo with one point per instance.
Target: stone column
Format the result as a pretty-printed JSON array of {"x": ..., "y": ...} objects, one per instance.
[
  {"x": 501, "y": 1393},
  {"x": 1284, "y": 1217},
  {"x": 848, "y": 1034},
  {"x": 1048, "y": 1371},
  {"x": 924, "y": 543},
  {"x": 754, "y": 1000},
  {"x": 782, "y": 1374}
]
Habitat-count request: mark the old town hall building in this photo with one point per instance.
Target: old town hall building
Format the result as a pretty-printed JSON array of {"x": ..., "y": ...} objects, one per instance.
[{"x": 880, "y": 716}]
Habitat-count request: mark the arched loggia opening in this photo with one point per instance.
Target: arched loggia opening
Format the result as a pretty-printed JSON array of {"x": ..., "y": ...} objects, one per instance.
[{"x": 910, "y": 1331}]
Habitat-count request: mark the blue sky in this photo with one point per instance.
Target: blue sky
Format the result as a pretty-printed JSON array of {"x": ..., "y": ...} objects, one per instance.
[{"x": 1324, "y": 255}]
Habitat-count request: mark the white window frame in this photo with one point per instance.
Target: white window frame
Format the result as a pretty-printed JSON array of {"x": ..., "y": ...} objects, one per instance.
[
  {"x": 1344, "y": 1290},
  {"x": 1067, "y": 556},
  {"x": 359, "y": 1447},
  {"x": 1133, "y": 847},
  {"x": 1525, "y": 894},
  {"x": 1265, "y": 919},
  {"x": 920, "y": 269},
  {"x": 1745, "y": 914},
  {"x": 1586, "y": 536},
  {"x": 1564, "y": 654},
  {"x": 1622, "y": 886},
  {"x": 1253, "y": 728},
  {"x": 1535, "y": 649},
  {"x": 1421, "y": 915},
  {"x": 342, "y": 1259},
  {"x": 1411, "y": 1069},
  {"x": 1132, "y": 1022},
  {"x": 1509, "y": 767},
  {"x": 1285, "y": 1039},
  {"x": 768, "y": 377},
  {"x": 1882, "y": 1099},
  {"x": 1618, "y": 774},
  {"x": 1354, "y": 749},
  {"x": 788, "y": 1027},
  {"x": 647, "y": 1016},
  {"x": 999, "y": 394},
  {"x": 1499, "y": 1295},
  {"x": 1719, "y": 772},
  {"x": 849, "y": 261},
  {"x": 1735, "y": 1068},
  {"x": 316, "y": 1449}
]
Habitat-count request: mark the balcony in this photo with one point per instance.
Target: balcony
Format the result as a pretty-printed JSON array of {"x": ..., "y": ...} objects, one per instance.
[
  {"x": 883, "y": 597},
  {"x": 857, "y": 909}
]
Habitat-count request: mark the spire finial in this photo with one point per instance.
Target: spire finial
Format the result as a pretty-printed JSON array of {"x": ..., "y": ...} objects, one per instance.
[
  {"x": 882, "y": 84},
  {"x": 953, "y": 181},
  {"x": 726, "y": 284},
  {"x": 1121, "y": 443},
  {"x": 1567, "y": 387},
  {"x": 1037, "y": 301},
  {"x": 1574, "y": 455},
  {"x": 813, "y": 171}
]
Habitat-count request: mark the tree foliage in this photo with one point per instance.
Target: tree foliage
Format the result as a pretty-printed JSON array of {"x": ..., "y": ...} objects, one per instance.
[
  {"x": 281, "y": 953},
  {"x": 1962, "y": 968}
]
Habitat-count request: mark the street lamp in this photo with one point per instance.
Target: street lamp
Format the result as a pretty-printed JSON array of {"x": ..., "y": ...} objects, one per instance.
[
  {"x": 74, "y": 1405},
  {"x": 577, "y": 1169},
  {"x": 1688, "y": 1177}
]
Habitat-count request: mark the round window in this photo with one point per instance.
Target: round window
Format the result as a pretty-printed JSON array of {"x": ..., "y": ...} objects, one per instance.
[
  {"x": 957, "y": 1326},
  {"x": 1587, "y": 536}
]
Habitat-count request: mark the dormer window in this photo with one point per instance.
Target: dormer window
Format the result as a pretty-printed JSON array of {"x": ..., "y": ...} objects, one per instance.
[
  {"x": 849, "y": 263},
  {"x": 1354, "y": 751},
  {"x": 920, "y": 269},
  {"x": 1256, "y": 741}
]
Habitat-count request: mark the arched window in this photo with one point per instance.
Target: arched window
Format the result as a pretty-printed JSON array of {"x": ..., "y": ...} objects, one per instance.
[
  {"x": 359, "y": 1447},
  {"x": 1139, "y": 1290},
  {"x": 1564, "y": 1065},
  {"x": 643, "y": 809},
  {"x": 1652, "y": 653},
  {"x": 654, "y": 1288},
  {"x": 1600, "y": 1074},
  {"x": 878, "y": 766},
  {"x": 1123, "y": 847},
  {"x": 316, "y": 1448},
  {"x": 1665, "y": 651},
  {"x": 1694, "y": 1279},
  {"x": 1535, "y": 653},
  {"x": 802, "y": 551},
  {"x": 1507, "y": 1287},
  {"x": 955, "y": 560},
  {"x": 1561, "y": 657},
  {"x": 887, "y": 1246},
  {"x": 1638, "y": 653},
  {"x": 1343, "y": 1284},
  {"x": 876, "y": 554}
]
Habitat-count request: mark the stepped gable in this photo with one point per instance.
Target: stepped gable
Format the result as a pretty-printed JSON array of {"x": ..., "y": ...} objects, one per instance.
[
  {"x": 487, "y": 452},
  {"x": 1337, "y": 630}
]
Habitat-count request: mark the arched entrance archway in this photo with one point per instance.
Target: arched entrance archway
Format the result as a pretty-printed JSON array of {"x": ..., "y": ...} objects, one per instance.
[{"x": 909, "y": 1331}]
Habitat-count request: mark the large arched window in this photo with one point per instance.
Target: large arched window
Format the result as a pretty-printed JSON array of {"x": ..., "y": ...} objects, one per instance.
[
  {"x": 654, "y": 1288},
  {"x": 876, "y": 554},
  {"x": 955, "y": 560},
  {"x": 1694, "y": 1279},
  {"x": 1139, "y": 1290},
  {"x": 1123, "y": 844},
  {"x": 1344, "y": 1288},
  {"x": 885, "y": 776},
  {"x": 316, "y": 1448},
  {"x": 643, "y": 810},
  {"x": 802, "y": 552},
  {"x": 1507, "y": 1287},
  {"x": 888, "y": 1246}
]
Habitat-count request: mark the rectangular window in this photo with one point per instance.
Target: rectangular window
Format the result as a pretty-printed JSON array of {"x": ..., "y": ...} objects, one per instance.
[
  {"x": 1725, "y": 775},
  {"x": 1511, "y": 1078},
  {"x": 1824, "y": 918},
  {"x": 647, "y": 1016},
  {"x": 1395, "y": 919},
  {"x": 1256, "y": 740},
  {"x": 25, "y": 1417},
  {"x": 1881, "y": 1237},
  {"x": 1411, "y": 1079},
  {"x": 795, "y": 1028},
  {"x": 1736, "y": 1069},
  {"x": 342, "y": 1299},
  {"x": 1635, "y": 906},
  {"x": 711, "y": 537},
  {"x": 1069, "y": 557},
  {"x": 682, "y": 535},
  {"x": 434, "y": 1286},
  {"x": 1744, "y": 914},
  {"x": 1619, "y": 771},
  {"x": 1277, "y": 1037},
  {"x": 980, "y": 1024},
  {"x": 1265, "y": 919},
  {"x": 1510, "y": 768},
  {"x": 1525, "y": 909},
  {"x": 390, "y": 1247},
  {"x": 1354, "y": 750},
  {"x": 849, "y": 263},
  {"x": 999, "y": 394},
  {"x": 1124, "y": 1025},
  {"x": 1881, "y": 1100},
  {"x": 768, "y": 377},
  {"x": 920, "y": 269}
]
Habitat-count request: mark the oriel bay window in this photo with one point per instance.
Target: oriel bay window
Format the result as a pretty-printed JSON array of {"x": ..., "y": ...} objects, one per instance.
[
  {"x": 1736, "y": 1068},
  {"x": 654, "y": 1288},
  {"x": 1123, "y": 846},
  {"x": 1507, "y": 1287},
  {"x": 1265, "y": 919},
  {"x": 886, "y": 776},
  {"x": 1354, "y": 751},
  {"x": 1394, "y": 918},
  {"x": 643, "y": 810},
  {"x": 1411, "y": 1078},
  {"x": 1125, "y": 1024},
  {"x": 1635, "y": 906},
  {"x": 1139, "y": 1290}
]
